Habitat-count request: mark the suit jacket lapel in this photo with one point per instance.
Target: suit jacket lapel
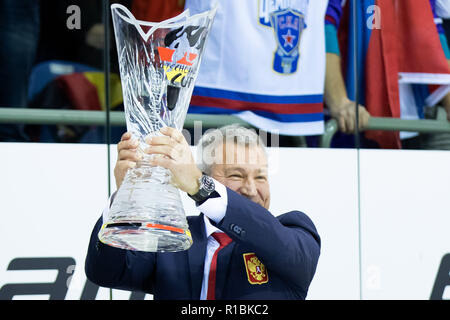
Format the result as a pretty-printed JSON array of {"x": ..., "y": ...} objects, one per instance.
[{"x": 196, "y": 254}]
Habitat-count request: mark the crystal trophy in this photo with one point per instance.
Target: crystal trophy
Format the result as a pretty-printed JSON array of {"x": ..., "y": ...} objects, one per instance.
[{"x": 158, "y": 65}]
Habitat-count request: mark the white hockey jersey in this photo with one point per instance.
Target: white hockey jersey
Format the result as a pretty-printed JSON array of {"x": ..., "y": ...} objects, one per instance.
[{"x": 264, "y": 62}]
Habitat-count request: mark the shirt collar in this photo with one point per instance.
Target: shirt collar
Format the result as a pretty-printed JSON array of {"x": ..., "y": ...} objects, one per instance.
[{"x": 209, "y": 228}]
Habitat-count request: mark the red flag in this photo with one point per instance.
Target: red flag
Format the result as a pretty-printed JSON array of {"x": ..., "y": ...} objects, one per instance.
[{"x": 407, "y": 41}]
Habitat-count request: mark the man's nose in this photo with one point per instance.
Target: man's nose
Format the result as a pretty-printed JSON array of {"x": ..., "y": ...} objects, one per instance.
[{"x": 249, "y": 188}]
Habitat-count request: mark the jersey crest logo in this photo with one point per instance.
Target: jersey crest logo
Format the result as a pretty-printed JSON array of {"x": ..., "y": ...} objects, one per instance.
[
  {"x": 288, "y": 25},
  {"x": 256, "y": 271}
]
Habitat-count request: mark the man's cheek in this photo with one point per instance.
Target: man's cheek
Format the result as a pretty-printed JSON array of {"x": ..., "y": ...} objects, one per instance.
[{"x": 233, "y": 185}]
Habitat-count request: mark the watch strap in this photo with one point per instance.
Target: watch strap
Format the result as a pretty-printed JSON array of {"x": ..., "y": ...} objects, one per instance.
[{"x": 214, "y": 194}]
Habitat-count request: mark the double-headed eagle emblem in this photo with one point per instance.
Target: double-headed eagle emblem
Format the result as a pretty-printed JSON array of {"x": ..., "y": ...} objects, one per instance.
[{"x": 256, "y": 271}]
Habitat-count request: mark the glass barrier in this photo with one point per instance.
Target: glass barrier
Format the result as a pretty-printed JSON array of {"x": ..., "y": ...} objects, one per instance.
[{"x": 65, "y": 57}]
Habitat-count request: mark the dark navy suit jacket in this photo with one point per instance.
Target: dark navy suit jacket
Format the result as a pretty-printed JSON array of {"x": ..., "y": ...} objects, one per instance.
[{"x": 287, "y": 245}]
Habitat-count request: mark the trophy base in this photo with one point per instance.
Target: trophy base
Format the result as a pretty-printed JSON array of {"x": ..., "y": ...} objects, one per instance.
[
  {"x": 147, "y": 214},
  {"x": 145, "y": 236}
]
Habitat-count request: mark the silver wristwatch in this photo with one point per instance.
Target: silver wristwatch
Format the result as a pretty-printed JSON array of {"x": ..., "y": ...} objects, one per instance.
[{"x": 206, "y": 188}]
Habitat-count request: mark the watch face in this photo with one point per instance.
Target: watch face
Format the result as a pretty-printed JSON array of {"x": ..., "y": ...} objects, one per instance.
[{"x": 208, "y": 183}]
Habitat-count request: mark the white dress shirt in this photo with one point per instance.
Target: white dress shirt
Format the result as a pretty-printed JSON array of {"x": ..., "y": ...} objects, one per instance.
[
  {"x": 211, "y": 247},
  {"x": 214, "y": 209}
]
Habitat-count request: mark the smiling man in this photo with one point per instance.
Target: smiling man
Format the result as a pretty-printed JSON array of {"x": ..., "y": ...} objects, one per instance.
[{"x": 240, "y": 250}]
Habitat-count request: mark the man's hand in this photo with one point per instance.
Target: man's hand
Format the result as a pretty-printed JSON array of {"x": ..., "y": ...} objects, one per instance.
[
  {"x": 345, "y": 114},
  {"x": 446, "y": 104},
  {"x": 341, "y": 108},
  {"x": 446, "y": 101},
  {"x": 171, "y": 151},
  {"x": 127, "y": 158},
  {"x": 447, "y": 108}
]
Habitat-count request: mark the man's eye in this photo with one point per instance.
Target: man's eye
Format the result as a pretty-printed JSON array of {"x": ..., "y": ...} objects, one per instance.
[
  {"x": 235, "y": 176},
  {"x": 261, "y": 178}
]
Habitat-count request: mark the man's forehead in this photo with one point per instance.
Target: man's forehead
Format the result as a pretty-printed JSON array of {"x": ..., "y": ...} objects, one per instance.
[{"x": 241, "y": 154}]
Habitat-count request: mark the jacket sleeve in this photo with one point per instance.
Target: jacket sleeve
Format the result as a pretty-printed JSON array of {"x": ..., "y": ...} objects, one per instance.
[
  {"x": 116, "y": 268},
  {"x": 288, "y": 245},
  {"x": 332, "y": 20},
  {"x": 334, "y": 13}
]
